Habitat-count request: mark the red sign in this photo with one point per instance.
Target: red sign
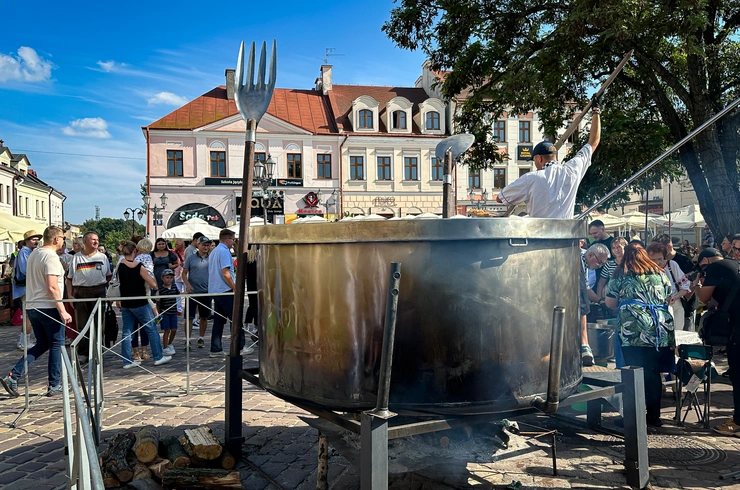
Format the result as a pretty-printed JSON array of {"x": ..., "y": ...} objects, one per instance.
[{"x": 311, "y": 200}]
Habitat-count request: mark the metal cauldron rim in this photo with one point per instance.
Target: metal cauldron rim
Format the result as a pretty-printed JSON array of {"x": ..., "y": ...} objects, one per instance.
[{"x": 419, "y": 230}]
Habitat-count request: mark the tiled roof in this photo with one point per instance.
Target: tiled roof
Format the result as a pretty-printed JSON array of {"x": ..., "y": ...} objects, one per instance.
[
  {"x": 302, "y": 108},
  {"x": 341, "y": 97},
  {"x": 17, "y": 157}
]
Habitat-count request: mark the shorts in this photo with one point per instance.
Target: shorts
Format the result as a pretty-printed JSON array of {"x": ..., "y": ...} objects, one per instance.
[
  {"x": 168, "y": 322},
  {"x": 201, "y": 304}
]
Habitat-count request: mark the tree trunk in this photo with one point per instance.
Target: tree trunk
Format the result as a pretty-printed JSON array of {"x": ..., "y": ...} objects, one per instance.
[
  {"x": 200, "y": 443},
  {"x": 171, "y": 448},
  {"x": 147, "y": 444},
  {"x": 114, "y": 459},
  {"x": 201, "y": 478}
]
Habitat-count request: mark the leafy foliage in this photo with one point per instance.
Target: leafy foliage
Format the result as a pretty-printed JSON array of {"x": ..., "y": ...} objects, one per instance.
[
  {"x": 112, "y": 230},
  {"x": 549, "y": 55}
]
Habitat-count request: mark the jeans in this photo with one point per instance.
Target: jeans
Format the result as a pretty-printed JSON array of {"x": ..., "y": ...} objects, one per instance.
[
  {"x": 223, "y": 306},
  {"x": 652, "y": 363},
  {"x": 49, "y": 334},
  {"x": 168, "y": 322},
  {"x": 146, "y": 317}
]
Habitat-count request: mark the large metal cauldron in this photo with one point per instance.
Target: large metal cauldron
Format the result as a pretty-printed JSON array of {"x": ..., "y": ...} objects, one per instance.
[{"x": 474, "y": 312}]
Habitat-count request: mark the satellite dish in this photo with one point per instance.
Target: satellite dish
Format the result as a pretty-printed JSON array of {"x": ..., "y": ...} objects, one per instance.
[{"x": 458, "y": 143}]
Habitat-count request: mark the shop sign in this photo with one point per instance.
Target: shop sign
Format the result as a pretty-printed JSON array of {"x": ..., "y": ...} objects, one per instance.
[
  {"x": 384, "y": 201},
  {"x": 196, "y": 210},
  {"x": 274, "y": 206},
  {"x": 282, "y": 182},
  {"x": 310, "y": 212},
  {"x": 524, "y": 152}
]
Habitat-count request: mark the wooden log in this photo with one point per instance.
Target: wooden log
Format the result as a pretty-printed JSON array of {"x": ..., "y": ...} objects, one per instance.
[
  {"x": 200, "y": 443},
  {"x": 158, "y": 467},
  {"x": 171, "y": 449},
  {"x": 146, "y": 446},
  {"x": 140, "y": 470},
  {"x": 226, "y": 460},
  {"x": 109, "y": 479},
  {"x": 201, "y": 478},
  {"x": 145, "y": 484},
  {"x": 114, "y": 458}
]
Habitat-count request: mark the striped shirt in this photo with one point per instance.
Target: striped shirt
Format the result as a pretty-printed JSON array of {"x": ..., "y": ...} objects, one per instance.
[
  {"x": 608, "y": 269},
  {"x": 167, "y": 299}
]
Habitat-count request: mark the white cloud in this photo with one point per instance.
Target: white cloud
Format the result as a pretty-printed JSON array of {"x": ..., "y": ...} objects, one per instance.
[
  {"x": 27, "y": 66},
  {"x": 91, "y": 127},
  {"x": 110, "y": 65},
  {"x": 168, "y": 98}
]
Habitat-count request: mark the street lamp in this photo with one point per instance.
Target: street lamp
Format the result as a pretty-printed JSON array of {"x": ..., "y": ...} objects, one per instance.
[
  {"x": 135, "y": 214},
  {"x": 331, "y": 201},
  {"x": 156, "y": 209},
  {"x": 262, "y": 174},
  {"x": 480, "y": 202}
]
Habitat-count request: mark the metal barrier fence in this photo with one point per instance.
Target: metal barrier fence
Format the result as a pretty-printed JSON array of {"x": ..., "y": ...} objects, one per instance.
[{"x": 83, "y": 470}]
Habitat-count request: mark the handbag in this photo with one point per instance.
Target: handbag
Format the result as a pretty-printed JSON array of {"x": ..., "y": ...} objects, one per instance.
[
  {"x": 114, "y": 286},
  {"x": 715, "y": 327},
  {"x": 110, "y": 332}
]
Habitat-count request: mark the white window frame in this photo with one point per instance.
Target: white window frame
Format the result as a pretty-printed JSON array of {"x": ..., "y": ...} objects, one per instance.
[{"x": 365, "y": 102}]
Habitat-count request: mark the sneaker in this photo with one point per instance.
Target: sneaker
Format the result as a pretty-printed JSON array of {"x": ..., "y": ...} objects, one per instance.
[
  {"x": 132, "y": 365},
  {"x": 54, "y": 391},
  {"x": 163, "y": 360},
  {"x": 587, "y": 356},
  {"x": 246, "y": 350},
  {"x": 20, "y": 347},
  {"x": 10, "y": 385},
  {"x": 169, "y": 350},
  {"x": 219, "y": 354},
  {"x": 201, "y": 343},
  {"x": 729, "y": 428}
]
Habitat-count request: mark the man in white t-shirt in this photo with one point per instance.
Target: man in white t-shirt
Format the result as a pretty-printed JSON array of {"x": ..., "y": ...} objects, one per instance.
[
  {"x": 550, "y": 191},
  {"x": 88, "y": 275},
  {"x": 44, "y": 285}
]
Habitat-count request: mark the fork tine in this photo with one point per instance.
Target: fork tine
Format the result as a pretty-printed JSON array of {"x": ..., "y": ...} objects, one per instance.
[
  {"x": 240, "y": 69},
  {"x": 273, "y": 66},
  {"x": 250, "y": 69},
  {"x": 261, "y": 72}
]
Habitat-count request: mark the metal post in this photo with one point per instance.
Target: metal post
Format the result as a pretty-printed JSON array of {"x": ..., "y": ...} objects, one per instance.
[
  {"x": 186, "y": 300},
  {"x": 635, "y": 427},
  {"x": 373, "y": 453},
  {"x": 389, "y": 333},
  {"x": 322, "y": 474},
  {"x": 556, "y": 361},
  {"x": 448, "y": 209}
]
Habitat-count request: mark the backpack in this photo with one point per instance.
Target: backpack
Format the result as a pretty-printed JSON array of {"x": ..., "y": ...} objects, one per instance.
[{"x": 110, "y": 332}]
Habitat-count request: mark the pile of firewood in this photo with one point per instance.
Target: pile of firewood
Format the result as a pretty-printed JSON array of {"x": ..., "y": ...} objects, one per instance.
[{"x": 145, "y": 462}]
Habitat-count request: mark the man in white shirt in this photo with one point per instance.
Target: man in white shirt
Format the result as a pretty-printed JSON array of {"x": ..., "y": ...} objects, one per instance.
[
  {"x": 89, "y": 273},
  {"x": 44, "y": 285},
  {"x": 550, "y": 191}
]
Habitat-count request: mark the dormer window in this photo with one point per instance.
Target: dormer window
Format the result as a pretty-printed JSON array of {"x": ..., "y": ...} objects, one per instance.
[
  {"x": 399, "y": 120},
  {"x": 365, "y": 119},
  {"x": 432, "y": 120},
  {"x": 365, "y": 114}
]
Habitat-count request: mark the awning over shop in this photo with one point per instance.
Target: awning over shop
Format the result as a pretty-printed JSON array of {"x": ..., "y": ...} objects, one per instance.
[{"x": 13, "y": 227}]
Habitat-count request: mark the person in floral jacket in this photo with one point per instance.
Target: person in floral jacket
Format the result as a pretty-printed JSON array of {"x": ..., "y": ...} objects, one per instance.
[{"x": 639, "y": 290}]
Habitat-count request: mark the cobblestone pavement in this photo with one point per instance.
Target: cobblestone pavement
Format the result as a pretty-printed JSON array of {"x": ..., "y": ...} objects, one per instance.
[{"x": 280, "y": 449}]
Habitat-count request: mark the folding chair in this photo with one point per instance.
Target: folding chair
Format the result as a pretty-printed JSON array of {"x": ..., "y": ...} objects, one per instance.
[{"x": 694, "y": 369}]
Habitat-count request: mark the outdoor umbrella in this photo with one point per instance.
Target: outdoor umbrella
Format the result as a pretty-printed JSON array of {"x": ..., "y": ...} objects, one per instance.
[
  {"x": 255, "y": 221},
  {"x": 191, "y": 227},
  {"x": 684, "y": 218}
]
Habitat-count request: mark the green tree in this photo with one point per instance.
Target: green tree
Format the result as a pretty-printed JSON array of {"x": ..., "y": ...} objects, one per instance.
[
  {"x": 112, "y": 230},
  {"x": 548, "y": 56}
]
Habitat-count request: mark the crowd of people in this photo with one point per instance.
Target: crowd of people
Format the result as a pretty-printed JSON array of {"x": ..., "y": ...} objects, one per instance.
[
  {"x": 654, "y": 290},
  {"x": 147, "y": 278}
]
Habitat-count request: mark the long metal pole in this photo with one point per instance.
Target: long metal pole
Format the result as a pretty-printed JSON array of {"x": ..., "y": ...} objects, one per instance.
[
  {"x": 233, "y": 423},
  {"x": 662, "y": 157},
  {"x": 389, "y": 334},
  {"x": 447, "y": 202}
]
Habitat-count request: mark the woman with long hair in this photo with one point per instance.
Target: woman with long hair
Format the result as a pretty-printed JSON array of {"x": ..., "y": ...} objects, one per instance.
[
  {"x": 134, "y": 278},
  {"x": 639, "y": 290},
  {"x": 162, "y": 258}
]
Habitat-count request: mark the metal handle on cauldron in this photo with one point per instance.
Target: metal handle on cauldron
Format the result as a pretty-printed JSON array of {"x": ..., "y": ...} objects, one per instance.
[
  {"x": 556, "y": 362},
  {"x": 389, "y": 334}
]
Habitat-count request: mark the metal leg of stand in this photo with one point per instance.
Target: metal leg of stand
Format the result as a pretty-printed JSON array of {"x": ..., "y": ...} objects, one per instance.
[
  {"x": 373, "y": 453},
  {"x": 593, "y": 413},
  {"x": 554, "y": 454},
  {"x": 635, "y": 428},
  {"x": 322, "y": 474}
]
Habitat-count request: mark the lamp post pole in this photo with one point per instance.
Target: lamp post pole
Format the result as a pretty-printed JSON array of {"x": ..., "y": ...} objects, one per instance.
[
  {"x": 263, "y": 173},
  {"x": 134, "y": 213},
  {"x": 156, "y": 209}
]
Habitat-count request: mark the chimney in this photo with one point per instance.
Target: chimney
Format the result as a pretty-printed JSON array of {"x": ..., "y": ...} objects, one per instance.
[
  {"x": 325, "y": 78},
  {"x": 230, "y": 76}
]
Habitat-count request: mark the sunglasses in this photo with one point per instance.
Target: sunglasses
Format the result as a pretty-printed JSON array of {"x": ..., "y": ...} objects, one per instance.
[{"x": 736, "y": 249}]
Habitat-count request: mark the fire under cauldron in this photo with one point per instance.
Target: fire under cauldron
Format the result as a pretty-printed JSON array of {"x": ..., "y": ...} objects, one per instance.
[{"x": 474, "y": 313}]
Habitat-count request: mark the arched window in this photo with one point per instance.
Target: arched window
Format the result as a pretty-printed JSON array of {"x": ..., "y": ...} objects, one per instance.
[
  {"x": 399, "y": 120},
  {"x": 365, "y": 119},
  {"x": 432, "y": 120}
]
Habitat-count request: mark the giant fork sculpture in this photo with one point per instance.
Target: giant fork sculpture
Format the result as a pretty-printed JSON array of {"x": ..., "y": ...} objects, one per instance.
[{"x": 252, "y": 101}]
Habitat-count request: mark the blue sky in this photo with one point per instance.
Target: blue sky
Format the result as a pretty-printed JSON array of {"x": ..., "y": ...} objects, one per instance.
[{"x": 81, "y": 78}]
